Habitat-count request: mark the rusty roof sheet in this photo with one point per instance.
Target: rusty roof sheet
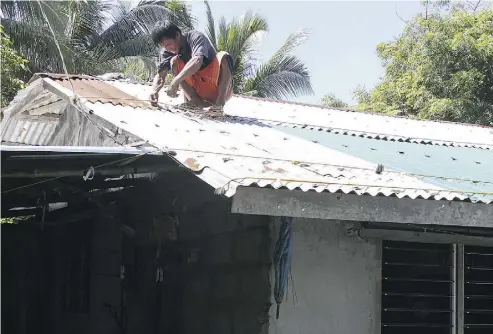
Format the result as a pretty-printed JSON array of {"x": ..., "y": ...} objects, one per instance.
[
  {"x": 244, "y": 149},
  {"x": 96, "y": 90}
]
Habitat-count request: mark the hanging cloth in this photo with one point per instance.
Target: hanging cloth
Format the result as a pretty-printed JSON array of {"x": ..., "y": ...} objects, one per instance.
[{"x": 282, "y": 260}]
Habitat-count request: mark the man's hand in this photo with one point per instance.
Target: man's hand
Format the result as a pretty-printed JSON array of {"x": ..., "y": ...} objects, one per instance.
[
  {"x": 157, "y": 84},
  {"x": 172, "y": 89},
  {"x": 154, "y": 98}
]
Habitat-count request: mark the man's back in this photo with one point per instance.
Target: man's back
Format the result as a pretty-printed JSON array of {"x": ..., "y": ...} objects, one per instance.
[{"x": 197, "y": 44}]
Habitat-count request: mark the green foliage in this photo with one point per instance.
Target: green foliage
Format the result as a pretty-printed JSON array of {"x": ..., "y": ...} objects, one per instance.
[
  {"x": 441, "y": 68},
  {"x": 16, "y": 220},
  {"x": 331, "y": 101},
  {"x": 282, "y": 76},
  {"x": 95, "y": 37},
  {"x": 12, "y": 68}
]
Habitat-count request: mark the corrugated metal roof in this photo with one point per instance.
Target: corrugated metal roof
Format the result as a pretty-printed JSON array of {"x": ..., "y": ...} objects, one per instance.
[
  {"x": 452, "y": 163},
  {"x": 36, "y": 123},
  {"x": 94, "y": 90},
  {"x": 30, "y": 131},
  {"x": 232, "y": 153},
  {"x": 313, "y": 117},
  {"x": 362, "y": 124},
  {"x": 254, "y": 146}
]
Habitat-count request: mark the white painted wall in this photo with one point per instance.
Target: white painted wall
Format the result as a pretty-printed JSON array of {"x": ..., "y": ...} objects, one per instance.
[{"x": 336, "y": 279}]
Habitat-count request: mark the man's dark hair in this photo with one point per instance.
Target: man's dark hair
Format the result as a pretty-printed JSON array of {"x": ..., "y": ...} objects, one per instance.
[{"x": 163, "y": 29}]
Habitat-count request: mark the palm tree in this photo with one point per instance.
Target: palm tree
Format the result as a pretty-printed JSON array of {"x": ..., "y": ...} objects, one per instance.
[
  {"x": 282, "y": 76},
  {"x": 90, "y": 40}
]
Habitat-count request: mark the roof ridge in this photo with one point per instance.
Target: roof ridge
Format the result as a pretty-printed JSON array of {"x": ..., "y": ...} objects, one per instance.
[
  {"x": 294, "y": 103},
  {"x": 348, "y": 110}
]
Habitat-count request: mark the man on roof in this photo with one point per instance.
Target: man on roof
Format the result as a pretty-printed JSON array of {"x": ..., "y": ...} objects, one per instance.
[{"x": 204, "y": 75}]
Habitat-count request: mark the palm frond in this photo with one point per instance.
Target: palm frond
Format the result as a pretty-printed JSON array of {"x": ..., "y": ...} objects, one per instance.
[
  {"x": 36, "y": 44},
  {"x": 79, "y": 28},
  {"x": 142, "y": 18},
  {"x": 283, "y": 75},
  {"x": 27, "y": 11},
  {"x": 181, "y": 14},
  {"x": 140, "y": 45},
  {"x": 223, "y": 34},
  {"x": 31, "y": 13},
  {"x": 292, "y": 42},
  {"x": 139, "y": 68},
  {"x": 178, "y": 12},
  {"x": 211, "y": 25},
  {"x": 280, "y": 79},
  {"x": 238, "y": 36},
  {"x": 30, "y": 31},
  {"x": 86, "y": 20},
  {"x": 120, "y": 9}
]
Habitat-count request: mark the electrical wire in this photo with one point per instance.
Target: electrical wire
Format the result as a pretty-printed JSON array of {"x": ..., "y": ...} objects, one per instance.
[
  {"x": 319, "y": 163},
  {"x": 82, "y": 171},
  {"x": 76, "y": 99},
  {"x": 301, "y": 162},
  {"x": 56, "y": 42},
  {"x": 74, "y": 102},
  {"x": 81, "y": 109},
  {"x": 326, "y": 128},
  {"x": 313, "y": 162},
  {"x": 225, "y": 187}
]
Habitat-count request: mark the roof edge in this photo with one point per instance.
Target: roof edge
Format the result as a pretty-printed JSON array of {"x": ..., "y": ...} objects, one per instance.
[
  {"x": 348, "y": 110},
  {"x": 57, "y": 76}
]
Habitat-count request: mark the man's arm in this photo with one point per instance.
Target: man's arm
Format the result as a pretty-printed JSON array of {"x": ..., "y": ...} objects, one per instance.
[
  {"x": 157, "y": 85},
  {"x": 159, "y": 80},
  {"x": 190, "y": 68},
  {"x": 200, "y": 48}
]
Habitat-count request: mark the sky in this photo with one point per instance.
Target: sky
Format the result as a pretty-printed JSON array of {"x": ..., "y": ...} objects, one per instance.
[{"x": 341, "y": 50}]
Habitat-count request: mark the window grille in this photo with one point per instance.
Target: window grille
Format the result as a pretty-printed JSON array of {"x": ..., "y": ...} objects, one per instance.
[
  {"x": 417, "y": 288},
  {"x": 478, "y": 290},
  {"x": 436, "y": 288}
]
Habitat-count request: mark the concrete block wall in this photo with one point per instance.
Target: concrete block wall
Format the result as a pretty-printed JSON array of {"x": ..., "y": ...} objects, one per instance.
[
  {"x": 336, "y": 282},
  {"x": 227, "y": 282}
]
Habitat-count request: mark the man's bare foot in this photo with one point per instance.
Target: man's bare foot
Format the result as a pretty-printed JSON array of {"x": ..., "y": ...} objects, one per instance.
[
  {"x": 216, "y": 108},
  {"x": 190, "y": 106}
]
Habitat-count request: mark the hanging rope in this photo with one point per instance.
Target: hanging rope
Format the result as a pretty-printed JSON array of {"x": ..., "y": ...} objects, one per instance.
[{"x": 282, "y": 261}]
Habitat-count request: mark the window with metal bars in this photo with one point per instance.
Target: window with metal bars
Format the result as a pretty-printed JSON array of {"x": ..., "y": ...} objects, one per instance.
[
  {"x": 478, "y": 290},
  {"x": 417, "y": 288},
  {"x": 427, "y": 288}
]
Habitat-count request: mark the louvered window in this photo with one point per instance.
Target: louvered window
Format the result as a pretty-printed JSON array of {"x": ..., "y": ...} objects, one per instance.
[
  {"x": 478, "y": 290},
  {"x": 436, "y": 288},
  {"x": 417, "y": 288}
]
